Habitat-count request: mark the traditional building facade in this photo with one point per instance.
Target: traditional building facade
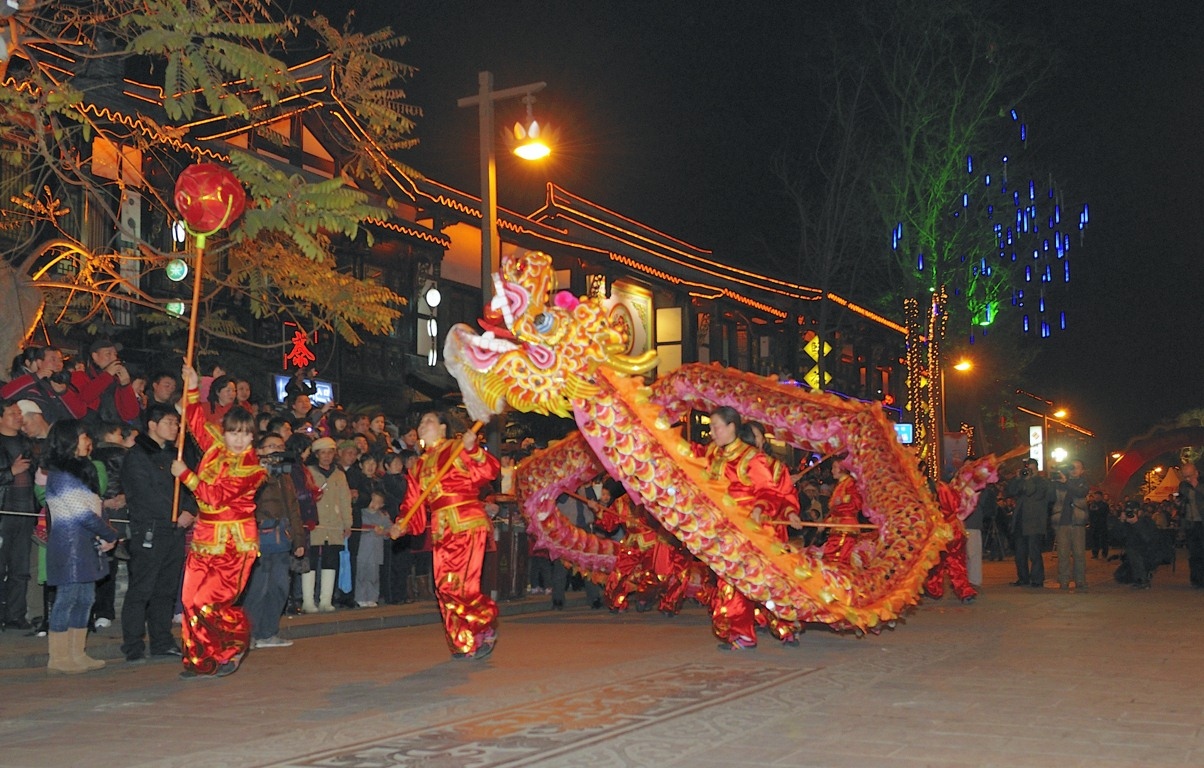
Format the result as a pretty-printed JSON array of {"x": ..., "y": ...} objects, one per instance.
[{"x": 678, "y": 298}]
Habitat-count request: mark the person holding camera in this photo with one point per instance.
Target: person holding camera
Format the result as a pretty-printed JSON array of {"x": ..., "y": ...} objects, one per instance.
[
  {"x": 1033, "y": 496},
  {"x": 281, "y": 537},
  {"x": 1070, "y": 525},
  {"x": 1145, "y": 547},
  {"x": 104, "y": 385}
]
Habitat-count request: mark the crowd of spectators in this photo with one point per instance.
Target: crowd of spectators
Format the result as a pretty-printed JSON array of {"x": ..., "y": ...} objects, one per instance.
[{"x": 336, "y": 480}]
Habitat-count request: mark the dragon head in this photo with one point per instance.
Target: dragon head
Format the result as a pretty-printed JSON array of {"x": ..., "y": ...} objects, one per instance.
[{"x": 538, "y": 352}]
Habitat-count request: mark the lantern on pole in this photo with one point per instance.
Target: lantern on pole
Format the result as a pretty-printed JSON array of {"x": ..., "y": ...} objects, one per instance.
[{"x": 209, "y": 197}]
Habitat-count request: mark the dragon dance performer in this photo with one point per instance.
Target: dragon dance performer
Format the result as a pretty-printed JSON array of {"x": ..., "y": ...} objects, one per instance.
[
  {"x": 953, "y": 559},
  {"x": 460, "y": 529},
  {"x": 650, "y": 565},
  {"x": 753, "y": 433},
  {"x": 752, "y": 486},
  {"x": 843, "y": 508},
  {"x": 225, "y": 538}
]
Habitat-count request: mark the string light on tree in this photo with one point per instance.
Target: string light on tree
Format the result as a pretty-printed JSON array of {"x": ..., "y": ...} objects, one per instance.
[{"x": 1003, "y": 245}]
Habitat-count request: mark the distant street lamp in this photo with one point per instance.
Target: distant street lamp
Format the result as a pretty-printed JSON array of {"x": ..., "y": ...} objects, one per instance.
[
  {"x": 486, "y": 96},
  {"x": 1048, "y": 414}
]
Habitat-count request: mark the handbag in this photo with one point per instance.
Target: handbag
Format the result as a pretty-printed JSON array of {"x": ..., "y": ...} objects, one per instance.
[{"x": 272, "y": 538}]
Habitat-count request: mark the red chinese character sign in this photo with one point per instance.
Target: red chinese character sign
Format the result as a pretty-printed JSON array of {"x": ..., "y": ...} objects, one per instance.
[{"x": 299, "y": 355}]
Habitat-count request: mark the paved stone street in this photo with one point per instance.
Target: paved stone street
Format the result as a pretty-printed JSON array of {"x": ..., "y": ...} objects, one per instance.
[{"x": 1024, "y": 677}]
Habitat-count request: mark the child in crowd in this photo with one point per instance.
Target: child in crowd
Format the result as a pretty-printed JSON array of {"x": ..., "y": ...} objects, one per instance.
[{"x": 371, "y": 551}]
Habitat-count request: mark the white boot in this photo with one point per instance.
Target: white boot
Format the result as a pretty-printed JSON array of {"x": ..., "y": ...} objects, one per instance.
[
  {"x": 307, "y": 592},
  {"x": 327, "y": 595}
]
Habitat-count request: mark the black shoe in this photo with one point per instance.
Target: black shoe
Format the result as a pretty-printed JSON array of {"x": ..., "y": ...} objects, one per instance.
[
  {"x": 1017, "y": 583},
  {"x": 138, "y": 657},
  {"x": 596, "y": 604},
  {"x": 168, "y": 653},
  {"x": 558, "y": 605},
  {"x": 483, "y": 651},
  {"x": 226, "y": 669},
  {"x": 21, "y": 624}
]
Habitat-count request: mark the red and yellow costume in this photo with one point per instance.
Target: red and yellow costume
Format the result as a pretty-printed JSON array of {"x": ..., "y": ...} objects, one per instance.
[
  {"x": 651, "y": 563},
  {"x": 779, "y": 516},
  {"x": 843, "y": 509},
  {"x": 752, "y": 485},
  {"x": 953, "y": 559},
  {"x": 225, "y": 543},
  {"x": 460, "y": 530}
]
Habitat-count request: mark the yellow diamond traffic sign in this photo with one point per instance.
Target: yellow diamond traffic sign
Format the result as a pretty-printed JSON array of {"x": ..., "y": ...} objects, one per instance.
[
  {"x": 812, "y": 378},
  {"x": 812, "y": 348}
]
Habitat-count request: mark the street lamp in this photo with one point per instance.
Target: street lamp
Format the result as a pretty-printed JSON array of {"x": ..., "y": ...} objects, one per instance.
[
  {"x": 1047, "y": 414},
  {"x": 938, "y": 455},
  {"x": 486, "y": 96}
]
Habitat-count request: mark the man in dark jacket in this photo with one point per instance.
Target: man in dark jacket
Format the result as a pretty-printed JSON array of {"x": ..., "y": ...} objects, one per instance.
[
  {"x": 281, "y": 537},
  {"x": 156, "y": 544},
  {"x": 16, "y": 495},
  {"x": 1033, "y": 497},
  {"x": 1191, "y": 515},
  {"x": 109, "y": 450},
  {"x": 1145, "y": 548}
]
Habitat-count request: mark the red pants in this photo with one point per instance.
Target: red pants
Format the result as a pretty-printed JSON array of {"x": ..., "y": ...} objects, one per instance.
[
  {"x": 214, "y": 630},
  {"x": 953, "y": 562},
  {"x": 839, "y": 547},
  {"x": 469, "y": 618},
  {"x": 732, "y": 615}
]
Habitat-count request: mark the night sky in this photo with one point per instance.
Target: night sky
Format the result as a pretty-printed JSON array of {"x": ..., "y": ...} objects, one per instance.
[{"x": 669, "y": 113}]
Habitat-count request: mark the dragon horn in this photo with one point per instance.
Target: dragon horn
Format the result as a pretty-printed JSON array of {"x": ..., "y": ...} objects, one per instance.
[{"x": 632, "y": 365}]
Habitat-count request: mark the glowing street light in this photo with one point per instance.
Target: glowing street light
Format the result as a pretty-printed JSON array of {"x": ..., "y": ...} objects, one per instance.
[{"x": 530, "y": 140}]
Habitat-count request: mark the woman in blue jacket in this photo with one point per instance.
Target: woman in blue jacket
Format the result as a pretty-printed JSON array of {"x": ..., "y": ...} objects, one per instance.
[{"x": 77, "y": 537}]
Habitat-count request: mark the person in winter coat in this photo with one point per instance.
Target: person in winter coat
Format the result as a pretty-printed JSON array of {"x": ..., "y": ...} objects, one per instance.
[
  {"x": 1033, "y": 498},
  {"x": 78, "y": 536},
  {"x": 333, "y": 527}
]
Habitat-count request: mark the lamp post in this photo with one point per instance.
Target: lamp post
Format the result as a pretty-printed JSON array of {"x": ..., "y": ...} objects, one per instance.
[
  {"x": 938, "y": 454},
  {"x": 484, "y": 100},
  {"x": 1057, "y": 417}
]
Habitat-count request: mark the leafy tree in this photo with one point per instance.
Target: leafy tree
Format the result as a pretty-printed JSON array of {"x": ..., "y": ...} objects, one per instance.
[{"x": 226, "y": 63}]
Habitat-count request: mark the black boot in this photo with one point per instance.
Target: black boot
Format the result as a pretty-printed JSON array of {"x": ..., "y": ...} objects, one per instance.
[{"x": 43, "y": 625}]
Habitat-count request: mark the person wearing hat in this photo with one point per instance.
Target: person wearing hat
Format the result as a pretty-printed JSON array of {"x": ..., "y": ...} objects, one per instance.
[
  {"x": 33, "y": 421},
  {"x": 333, "y": 528},
  {"x": 104, "y": 385}
]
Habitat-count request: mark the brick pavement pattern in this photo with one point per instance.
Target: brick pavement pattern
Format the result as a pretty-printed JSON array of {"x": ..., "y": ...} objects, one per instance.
[{"x": 1024, "y": 677}]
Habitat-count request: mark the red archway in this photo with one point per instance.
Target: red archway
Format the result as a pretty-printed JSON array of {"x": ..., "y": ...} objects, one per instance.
[{"x": 1144, "y": 450}]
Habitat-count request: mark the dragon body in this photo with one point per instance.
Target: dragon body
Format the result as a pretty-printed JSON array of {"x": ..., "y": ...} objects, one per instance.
[{"x": 556, "y": 354}]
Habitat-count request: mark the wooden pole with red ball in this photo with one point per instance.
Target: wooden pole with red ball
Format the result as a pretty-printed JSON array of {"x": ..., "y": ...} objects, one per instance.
[{"x": 209, "y": 197}]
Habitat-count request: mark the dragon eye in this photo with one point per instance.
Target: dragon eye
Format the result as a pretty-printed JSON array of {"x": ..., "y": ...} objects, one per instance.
[{"x": 544, "y": 322}]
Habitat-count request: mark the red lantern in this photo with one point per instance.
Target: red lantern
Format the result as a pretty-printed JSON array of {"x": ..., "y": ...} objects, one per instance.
[{"x": 209, "y": 197}]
